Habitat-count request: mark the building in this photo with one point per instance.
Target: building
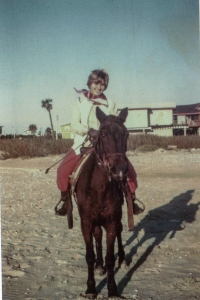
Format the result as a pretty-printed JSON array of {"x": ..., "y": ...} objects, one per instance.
[
  {"x": 186, "y": 119},
  {"x": 66, "y": 131},
  {"x": 29, "y": 133},
  {"x": 154, "y": 118},
  {"x": 163, "y": 119}
]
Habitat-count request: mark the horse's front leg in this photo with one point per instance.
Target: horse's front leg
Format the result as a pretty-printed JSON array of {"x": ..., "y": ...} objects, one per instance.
[
  {"x": 121, "y": 254},
  {"x": 110, "y": 261},
  {"x": 98, "y": 240},
  {"x": 90, "y": 259}
]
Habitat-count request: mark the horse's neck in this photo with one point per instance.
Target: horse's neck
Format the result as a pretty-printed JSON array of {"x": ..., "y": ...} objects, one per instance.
[{"x": 98, "y": 151}]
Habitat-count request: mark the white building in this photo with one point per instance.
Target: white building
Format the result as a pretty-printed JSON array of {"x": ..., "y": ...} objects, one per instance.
[
  {"x": 29, "y": 132},
  {"x": 153, "y": 118}
]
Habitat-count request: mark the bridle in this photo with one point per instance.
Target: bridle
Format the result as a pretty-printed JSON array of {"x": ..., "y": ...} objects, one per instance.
[
  {"x": 114, "y": 154},
  {"x": 104, "y": 162}
]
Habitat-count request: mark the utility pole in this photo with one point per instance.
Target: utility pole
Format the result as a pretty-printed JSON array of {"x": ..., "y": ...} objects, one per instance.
[
  {"x": 57, "y": 127},
  {"x": 13, "y": 126}
]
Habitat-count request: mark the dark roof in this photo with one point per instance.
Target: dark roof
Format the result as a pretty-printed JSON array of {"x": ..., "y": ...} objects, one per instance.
[{"x": 187, "y": 109}]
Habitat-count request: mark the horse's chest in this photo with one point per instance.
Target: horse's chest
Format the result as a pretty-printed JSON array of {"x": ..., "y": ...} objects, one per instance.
[
  {"x": 102, "y": 205},
  {"x": 99, "y": 199}
]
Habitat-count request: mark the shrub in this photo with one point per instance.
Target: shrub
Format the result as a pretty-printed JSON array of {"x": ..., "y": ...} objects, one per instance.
[
  {"x": 182, "y": 142},
  {"x": 147, "y": 148},
  {"x": 136, "y": 141},
  {"x": 33, "y": 147},
  {"x": 41, "y": 146}
]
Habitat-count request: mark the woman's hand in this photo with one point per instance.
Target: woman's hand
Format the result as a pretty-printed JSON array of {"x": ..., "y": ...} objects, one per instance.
[{"x": 93, "y": 136}]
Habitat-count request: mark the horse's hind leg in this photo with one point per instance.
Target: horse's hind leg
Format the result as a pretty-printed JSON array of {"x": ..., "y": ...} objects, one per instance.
[
  {"x": 90, "y": 259},
  {"x": 99, "y": 260}
]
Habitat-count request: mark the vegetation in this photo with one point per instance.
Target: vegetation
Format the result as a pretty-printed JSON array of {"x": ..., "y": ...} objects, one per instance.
[
  {"x": 152, "y": 142},
  {"x": 48, "y": 132},
  {"x": 33, "y": 128},
  {"x": 33, "y": 147},
  {"x": 43, "y": 146},
  {"x": 47, "y": 104}
]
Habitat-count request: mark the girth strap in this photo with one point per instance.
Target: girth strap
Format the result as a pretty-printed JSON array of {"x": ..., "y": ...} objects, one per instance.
[{"x": 129, "y": 202}]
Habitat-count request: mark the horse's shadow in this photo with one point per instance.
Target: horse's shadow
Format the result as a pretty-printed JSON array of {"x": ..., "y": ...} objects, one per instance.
[{"x": 156, "y": 225}]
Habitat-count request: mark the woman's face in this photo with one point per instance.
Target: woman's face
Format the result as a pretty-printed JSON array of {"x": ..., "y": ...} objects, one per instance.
[{"x": 97, "y": 87}]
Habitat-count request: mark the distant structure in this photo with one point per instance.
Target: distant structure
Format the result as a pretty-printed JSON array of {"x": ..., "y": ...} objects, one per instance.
[
  {"x": 187, "y": 119},
  {"x": 66, "y": 131},
  {"x": 153, "y": 118},
  {"x": 163, "y": 119},
  {"x": 29, "y": 132}
]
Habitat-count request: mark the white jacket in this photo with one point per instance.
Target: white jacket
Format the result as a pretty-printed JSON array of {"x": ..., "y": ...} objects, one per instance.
[{"x": 84, "y": 118}]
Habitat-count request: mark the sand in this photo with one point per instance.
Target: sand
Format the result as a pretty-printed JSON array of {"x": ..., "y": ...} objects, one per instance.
[{"x": 43, "y": 259}]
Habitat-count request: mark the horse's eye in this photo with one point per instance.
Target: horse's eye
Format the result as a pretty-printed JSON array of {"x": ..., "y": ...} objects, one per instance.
[{"x": 103, "y": 135}]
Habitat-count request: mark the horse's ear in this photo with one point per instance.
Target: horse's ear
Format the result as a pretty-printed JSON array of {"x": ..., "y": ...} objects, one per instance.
[
  {"x": 100, "y": 115},
  {"x": 123, "y": 114}
]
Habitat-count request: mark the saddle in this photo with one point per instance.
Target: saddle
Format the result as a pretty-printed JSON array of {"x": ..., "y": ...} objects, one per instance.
[{"x": 85, "y": 154}]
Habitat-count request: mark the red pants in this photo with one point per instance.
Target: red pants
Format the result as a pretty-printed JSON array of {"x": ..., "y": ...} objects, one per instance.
[{"x": 69, "y": 163}]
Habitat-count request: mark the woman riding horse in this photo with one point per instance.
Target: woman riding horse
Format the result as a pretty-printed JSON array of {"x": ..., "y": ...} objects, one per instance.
[{"x": 83, "y": 119}]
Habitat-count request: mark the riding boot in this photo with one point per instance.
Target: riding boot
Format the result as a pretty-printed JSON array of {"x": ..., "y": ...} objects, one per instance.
[
  {"x": 136, "y": 209},
  {"x": 65, "y": 198}
]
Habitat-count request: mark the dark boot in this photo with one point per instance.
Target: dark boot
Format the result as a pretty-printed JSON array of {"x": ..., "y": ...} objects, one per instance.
[
  {"x": 63, "y": 210},
  {"x": 136, "y": 209},
  {"x": 66, "y": 209}
]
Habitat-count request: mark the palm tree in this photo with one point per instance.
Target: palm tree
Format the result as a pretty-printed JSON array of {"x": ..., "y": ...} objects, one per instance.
[
  {"x": 47, "y": 104},
  {"x": 48, "y": 132},
  {"x": 33, "y": 128}
]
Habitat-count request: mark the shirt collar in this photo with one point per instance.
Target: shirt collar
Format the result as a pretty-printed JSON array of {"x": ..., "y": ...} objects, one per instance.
[{"x": 102, "y": 100}]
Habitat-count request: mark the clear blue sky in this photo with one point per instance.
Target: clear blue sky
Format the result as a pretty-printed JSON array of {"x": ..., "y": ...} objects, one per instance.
[{"x": 150, "y": 49}]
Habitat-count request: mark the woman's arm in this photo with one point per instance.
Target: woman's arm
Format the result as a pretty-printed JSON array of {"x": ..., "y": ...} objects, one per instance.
[
  {"x": 77, "y": 127},
  {"x": 113, "y": 108}
]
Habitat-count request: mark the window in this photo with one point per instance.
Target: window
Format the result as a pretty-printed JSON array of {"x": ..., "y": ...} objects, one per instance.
[{"x": 175, "y": 119}]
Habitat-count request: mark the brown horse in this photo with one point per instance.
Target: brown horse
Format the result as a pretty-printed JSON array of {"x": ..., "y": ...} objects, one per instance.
[{"x": 99, "y": 197}]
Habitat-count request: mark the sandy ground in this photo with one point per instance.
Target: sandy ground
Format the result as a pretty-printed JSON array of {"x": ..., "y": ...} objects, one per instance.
[{"x": 43, "y": 259}]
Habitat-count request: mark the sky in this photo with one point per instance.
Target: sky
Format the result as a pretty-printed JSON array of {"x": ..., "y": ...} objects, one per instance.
[{"x": 150, "y": 48}]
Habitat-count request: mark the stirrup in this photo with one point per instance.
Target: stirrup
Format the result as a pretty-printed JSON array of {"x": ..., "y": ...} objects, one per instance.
[
  {"x": 58, "y": 211},
  {"x": 67, "y": 209},
  {"x": 136, "y": 209}
]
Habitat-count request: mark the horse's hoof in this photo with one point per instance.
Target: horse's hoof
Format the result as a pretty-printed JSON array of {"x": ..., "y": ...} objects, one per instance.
[
  {"x": 90, "y": 295},
  {"x": 115, "y": 295}
]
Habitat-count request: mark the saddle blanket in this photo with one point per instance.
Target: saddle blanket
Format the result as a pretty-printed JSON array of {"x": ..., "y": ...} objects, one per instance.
[{"x": 77, "y": 171}]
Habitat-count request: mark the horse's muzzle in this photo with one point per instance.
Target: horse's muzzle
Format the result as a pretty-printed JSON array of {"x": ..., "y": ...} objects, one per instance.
[
  {"x": 118, "y": 176},
  {"x": 117, "y": 166}
]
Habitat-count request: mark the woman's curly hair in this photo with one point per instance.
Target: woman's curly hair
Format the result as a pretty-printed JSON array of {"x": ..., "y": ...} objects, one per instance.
[{"x": 97, "y": 75}]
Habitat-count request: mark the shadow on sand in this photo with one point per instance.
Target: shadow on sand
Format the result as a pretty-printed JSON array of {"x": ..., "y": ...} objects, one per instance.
[{"x": 156, "y": 225}]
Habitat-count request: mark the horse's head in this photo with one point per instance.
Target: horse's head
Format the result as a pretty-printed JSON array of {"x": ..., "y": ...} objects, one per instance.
[{"x": 112, "y": 143}]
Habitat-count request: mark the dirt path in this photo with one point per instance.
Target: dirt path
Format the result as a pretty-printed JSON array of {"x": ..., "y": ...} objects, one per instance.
[{"x": 42, "y": 259}]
